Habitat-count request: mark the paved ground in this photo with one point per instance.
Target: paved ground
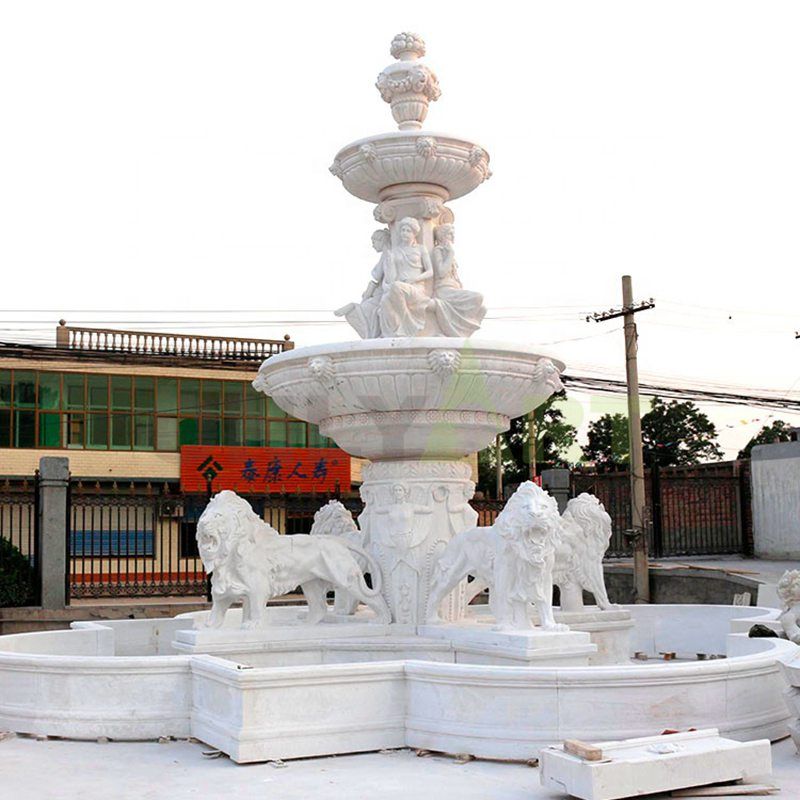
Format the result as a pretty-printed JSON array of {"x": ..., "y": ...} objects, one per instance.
[{"x": 56, "y": 770}]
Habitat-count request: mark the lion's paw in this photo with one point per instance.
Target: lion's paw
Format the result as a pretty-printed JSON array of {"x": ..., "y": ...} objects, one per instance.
[{"x": 556, "y": 627}]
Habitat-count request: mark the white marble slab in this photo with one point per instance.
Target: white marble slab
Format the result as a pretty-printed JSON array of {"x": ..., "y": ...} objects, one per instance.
[{"x": 635, "y": 767}]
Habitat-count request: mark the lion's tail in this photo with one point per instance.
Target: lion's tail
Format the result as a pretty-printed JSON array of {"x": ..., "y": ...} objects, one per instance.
[{"x": 372, "y": 567}]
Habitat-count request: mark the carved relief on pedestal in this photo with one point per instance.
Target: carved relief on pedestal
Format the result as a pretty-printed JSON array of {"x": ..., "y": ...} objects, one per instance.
[{"x": 412, "y": 510}]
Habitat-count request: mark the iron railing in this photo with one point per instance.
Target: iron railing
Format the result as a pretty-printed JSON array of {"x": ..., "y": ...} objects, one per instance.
[
  {"x": 20, "y": 562},
  {"x": 694, "y": 510}
]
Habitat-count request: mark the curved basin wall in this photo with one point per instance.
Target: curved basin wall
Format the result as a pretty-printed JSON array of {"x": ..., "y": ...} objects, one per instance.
[{"x": 68, "y": 683}]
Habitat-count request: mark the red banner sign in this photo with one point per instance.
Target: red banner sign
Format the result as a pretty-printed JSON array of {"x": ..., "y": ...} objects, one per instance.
[{"x": 263, "y": 469}]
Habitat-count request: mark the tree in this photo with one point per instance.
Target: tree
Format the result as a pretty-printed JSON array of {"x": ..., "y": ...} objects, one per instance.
[
  {"x": 779, "y": 431},
  {"x": 608, "y": 440},
  {"x": 678, "y": 433},
  {"x": 674, "y": 433},
  {"x": 554, "y": 437}
]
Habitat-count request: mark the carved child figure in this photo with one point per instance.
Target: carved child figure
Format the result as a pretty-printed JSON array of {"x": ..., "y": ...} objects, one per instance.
[{"x": 788, "y": 589}]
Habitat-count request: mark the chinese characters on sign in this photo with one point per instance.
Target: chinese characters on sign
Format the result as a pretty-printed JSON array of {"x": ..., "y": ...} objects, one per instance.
[{"x": 263, "y": 469}]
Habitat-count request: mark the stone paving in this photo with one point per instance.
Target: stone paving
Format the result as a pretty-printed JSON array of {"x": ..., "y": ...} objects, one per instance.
[{"x": 63, "y": 770}]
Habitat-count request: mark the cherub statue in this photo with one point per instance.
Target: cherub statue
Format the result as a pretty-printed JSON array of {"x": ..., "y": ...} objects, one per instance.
[
  {"x": 363, "y": 316},
  {"x": 405, "y": 298},
  {"x": 459, "y": 312},
  {"x": 788, "y": 589}
]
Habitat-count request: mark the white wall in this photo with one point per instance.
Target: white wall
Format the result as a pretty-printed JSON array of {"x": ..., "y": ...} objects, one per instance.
[{"x": 776, "y": 500}]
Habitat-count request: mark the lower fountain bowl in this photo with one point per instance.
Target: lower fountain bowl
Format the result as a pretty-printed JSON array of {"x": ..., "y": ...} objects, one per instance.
[{"x": 424, "y": 398}]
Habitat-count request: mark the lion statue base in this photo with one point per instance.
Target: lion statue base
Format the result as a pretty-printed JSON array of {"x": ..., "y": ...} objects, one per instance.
[
  {"x": 250, "y": 561},
  {"x": 514, "y": 557},
  {"x": 788, "y": 590}
]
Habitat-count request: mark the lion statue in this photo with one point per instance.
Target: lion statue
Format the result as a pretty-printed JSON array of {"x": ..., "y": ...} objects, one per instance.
[
  {"x": 788, "y": 590},
  {"x": 585, "y": 531},
  {"x": 514, "y": 558},
  {"x": 333, "y": 519},
  {"x": 251, "y": 561},
  {"x": 585, "y": 534}
]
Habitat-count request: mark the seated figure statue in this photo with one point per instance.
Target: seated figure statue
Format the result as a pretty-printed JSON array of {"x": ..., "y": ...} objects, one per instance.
[
  {"x": 405, "y": 299},
  {"x": 250, "y": 561},
  {"x": 363, "y": 316},
  {"x": 458, "y": 311},
  {"x": 514, "y": 557}
]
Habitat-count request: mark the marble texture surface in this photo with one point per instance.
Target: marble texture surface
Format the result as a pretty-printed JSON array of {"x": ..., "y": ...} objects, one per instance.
[{"x": 655, "y": 764}]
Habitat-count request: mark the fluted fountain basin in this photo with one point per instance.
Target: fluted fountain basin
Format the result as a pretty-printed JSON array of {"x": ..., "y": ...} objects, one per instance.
[
  {"x": 369, "y": 166},
  {"x": 410, "y": 398}
]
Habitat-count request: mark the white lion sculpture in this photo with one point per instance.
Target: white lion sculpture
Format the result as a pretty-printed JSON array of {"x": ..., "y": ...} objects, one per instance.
[
  {"x": 333, "y": 519},
  {"x": 251, "y": 561},
  {"x": 584, "y": 534},
  {"x": 788, "y": 590},
  {"x": 514, "y": 557}
]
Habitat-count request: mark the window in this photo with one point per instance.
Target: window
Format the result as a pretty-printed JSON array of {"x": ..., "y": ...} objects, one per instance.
[
  {"x": 167, "y": 433},
  {"x": 210, "y": 430},
  {"x": 24, "y": 429},
  {"x": 254, "y": 433},
  {"x": 122, "y": 412},
  {"x": 187, "y": 544},
  {"x": 143, "y": 432},
  {"x": 120, "y": 393},
  {"x": 49, "y": 390},
  {"x": 233, "y": 398},
  {"x": 72, "y": 430},
  {"x": 145, "y": 394},
  {"x": 167, "y": 392},
  {"x": 98, "y": 392},
  {"x": 120, "y": 432},
  {"x": 24, "y": 389},
  {"x": 5, "y": 427},
  {"x": 97, "y": 433},
  {"x": 5, "y": 388},
  {"x": 212, "y": 397},
  {"x": 112, "y": 543},
  {"x": 190, "y": 397},
  {"x": 49, "y": 430},
  {"x": 74, "y": 391},
  {"x": 189, "y": 431},
  {"x": 232, "y": 432}
]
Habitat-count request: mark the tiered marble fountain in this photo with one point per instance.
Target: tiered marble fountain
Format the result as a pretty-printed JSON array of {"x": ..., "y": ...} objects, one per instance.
[
  {"x": 415, "y": 666},
  {"x": 416, "y": 395}
]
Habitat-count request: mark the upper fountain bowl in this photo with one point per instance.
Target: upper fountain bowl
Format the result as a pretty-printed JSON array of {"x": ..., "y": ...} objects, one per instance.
[
  {"x": 371, "y": 166},
  {"x": 423, "y": 398}
]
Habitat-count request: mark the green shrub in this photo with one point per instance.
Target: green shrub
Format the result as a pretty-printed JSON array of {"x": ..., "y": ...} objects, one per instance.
[{"x": 17, "y": 579}]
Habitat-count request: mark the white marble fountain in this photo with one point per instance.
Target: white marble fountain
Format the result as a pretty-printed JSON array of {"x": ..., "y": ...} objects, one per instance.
[{"x": 403, "y": 659}]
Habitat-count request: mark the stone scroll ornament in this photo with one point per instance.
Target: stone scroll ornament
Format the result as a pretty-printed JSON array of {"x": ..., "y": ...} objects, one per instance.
[
  {"x": 515, "y": 557},
  {"x": 250, "y": 561}
]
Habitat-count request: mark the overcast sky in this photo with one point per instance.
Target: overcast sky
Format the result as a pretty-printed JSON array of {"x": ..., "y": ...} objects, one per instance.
[{"x": 173, "y": 157}]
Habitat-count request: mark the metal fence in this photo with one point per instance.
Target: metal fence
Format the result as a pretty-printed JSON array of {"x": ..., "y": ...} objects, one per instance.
[
  {"x": 696, "y": 510},
  {"x": 20, "y": 564}
]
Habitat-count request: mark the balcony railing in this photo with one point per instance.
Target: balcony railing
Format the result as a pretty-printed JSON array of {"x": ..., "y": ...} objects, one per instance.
[{"x": 177, "y": 345}]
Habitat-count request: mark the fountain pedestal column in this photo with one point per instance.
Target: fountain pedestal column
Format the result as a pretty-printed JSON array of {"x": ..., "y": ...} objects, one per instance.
[{"x": 412, "y": 510}]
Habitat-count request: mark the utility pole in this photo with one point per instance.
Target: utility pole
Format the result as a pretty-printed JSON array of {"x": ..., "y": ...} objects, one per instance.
[
  {"x": 638, "y": 534},
  {"x": 532, "y": 431},
  {"x": 498, "y": 468}
]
